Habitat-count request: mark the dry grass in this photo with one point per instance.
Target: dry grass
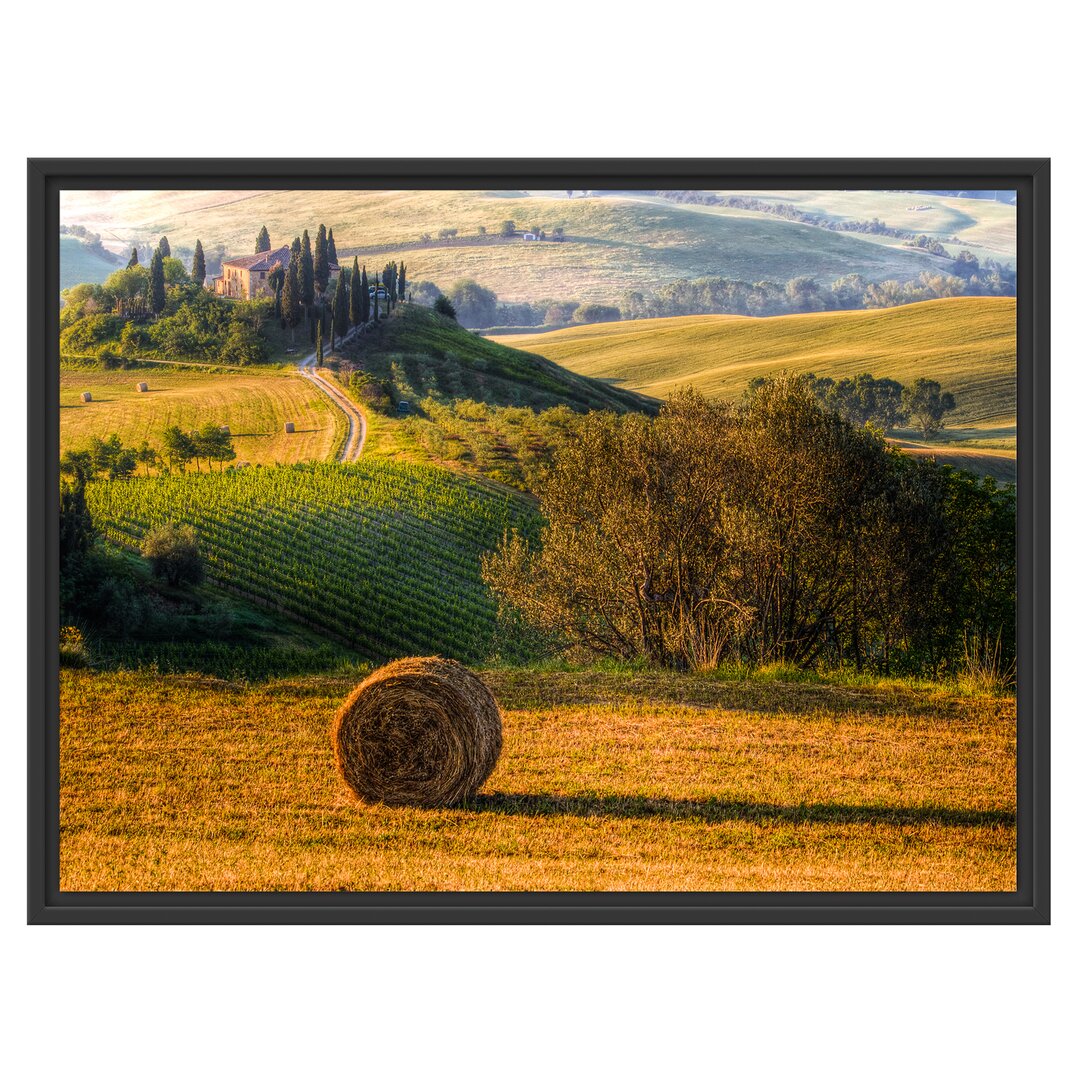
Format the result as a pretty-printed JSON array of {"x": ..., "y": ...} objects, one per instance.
[
  {"x": 606, "y": 782},
  {"x": 254, "y": 405}
]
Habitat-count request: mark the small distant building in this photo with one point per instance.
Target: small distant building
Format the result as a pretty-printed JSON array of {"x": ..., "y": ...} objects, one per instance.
[
  {"x": 529, "y": 236},
  {"x": 247, "y": 276}
]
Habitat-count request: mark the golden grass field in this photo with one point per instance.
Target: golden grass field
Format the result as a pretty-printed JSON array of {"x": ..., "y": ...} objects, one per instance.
[
  {"x": 609, "y": 781},
  {"x": 616, "y": 242},
  {"x": 254, "y": 404},
  {"x": 968, "y": 344}
]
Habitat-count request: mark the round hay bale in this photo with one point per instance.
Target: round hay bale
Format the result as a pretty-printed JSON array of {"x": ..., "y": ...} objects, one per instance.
[
  {"x": 290, "y": 427},
  {"x": 142, "y": 388},
  {"x": 423, "y": 731},
  {"x": 87, "y": 396}
]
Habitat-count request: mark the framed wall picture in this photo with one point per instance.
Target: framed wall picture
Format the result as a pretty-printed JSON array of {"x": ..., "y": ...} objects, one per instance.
[{"x": 661, "y": 541}]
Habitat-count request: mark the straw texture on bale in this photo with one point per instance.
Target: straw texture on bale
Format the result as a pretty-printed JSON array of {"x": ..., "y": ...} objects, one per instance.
[{"x": 423, "y": 731}]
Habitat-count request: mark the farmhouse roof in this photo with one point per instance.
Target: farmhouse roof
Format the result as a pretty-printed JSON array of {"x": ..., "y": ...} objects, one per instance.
[{"x": 265, "y": 260}]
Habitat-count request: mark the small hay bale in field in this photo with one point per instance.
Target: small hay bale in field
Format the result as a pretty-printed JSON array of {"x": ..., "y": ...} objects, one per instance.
[
  {"x": 225, "y": 430},
  {"x": 142, "y": 388},
  {"x": 87, "y": 396},
  {"x": 423, "y": 731},
  {"x": 290, "y": 427}
]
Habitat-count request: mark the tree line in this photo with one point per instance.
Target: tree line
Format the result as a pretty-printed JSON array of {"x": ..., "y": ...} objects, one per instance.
[
  {"x": 109, "y": 459},
  {"x": 883, "y": 403},
  {"x": 478, "y": 306},
  {"x": 766, "y": 531}
]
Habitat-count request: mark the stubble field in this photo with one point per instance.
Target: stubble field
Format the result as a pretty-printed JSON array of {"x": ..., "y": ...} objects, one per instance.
[{"x": 608, "y": 781}]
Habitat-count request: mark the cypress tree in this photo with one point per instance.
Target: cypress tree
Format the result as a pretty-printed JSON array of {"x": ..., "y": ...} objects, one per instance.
[
  {"x": 276, "y": 280},
  {"x": 356, "y": 302},
  {"x": 365, "y": 297},
  {"x": 134, "y": 260},
  {"x": 198, "y": 265},
  {"x": 341, "y": 308},
  {"x": 331, "y": 249},
  {"x": 376, "y": 296},
  {"x": 157, "y": 283},
  {"x": 163, "y": 247},
  {"x": 322, "y": 261},
  {"x": 318, "y": 343},
  {"x": 262, "y": 242},
  {"x": 401, "y": 283},
  {"x": 290, "y": 296},
  {"x": 307, "y": 272}
]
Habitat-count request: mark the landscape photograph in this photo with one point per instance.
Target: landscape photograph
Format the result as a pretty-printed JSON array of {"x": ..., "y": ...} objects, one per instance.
[{"x": 537, "y": 541}]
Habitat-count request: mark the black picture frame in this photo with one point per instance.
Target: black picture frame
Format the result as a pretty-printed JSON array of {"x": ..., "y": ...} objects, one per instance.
[{"x": 1029, "y": 904}]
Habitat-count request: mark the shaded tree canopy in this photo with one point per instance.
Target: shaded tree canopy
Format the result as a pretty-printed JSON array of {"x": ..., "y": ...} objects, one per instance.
[{"x": 767, "y": 531}]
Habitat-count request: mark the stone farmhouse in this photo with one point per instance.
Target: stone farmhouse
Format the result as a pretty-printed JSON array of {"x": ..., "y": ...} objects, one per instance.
[{"x": 247, "y": 276}]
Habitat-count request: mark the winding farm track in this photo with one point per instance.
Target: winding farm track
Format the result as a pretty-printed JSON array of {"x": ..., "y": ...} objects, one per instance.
[{"x": 354, "y": 440}]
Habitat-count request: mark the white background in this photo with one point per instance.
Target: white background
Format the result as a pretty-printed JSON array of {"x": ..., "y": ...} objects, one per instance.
[{"x": 561, "y": 79}]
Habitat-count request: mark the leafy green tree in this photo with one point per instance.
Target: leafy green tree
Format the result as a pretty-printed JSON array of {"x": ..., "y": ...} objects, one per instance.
[
  {"x": 443, "y": 306},
  {"x": 212, "y": 442},
  {"x": 173, "y": 553},
  {"x": 365, "y": 296},
  {"x": 262, "y": 241},
  {"x": 356, "y": 290},
  {"x": 178, "y": 447},
  {"x": 307, "y": 272},
  {"x": 927, "y": 405},
  {"x": 508, "y": 229},
  {"x": 331, "y": 247},
  {"x": 111, "y": 458},
  {"x": 321, "y": 267},
  {"x": 134, "y": 260},
  {"x": 147, "y": 457},
  {"x": 198, "y": 265},
  {"x": 475, "y": 305},
  {"x": 157, "y": 283},
  {"x": 163, "y": 247},
  {"x": 174, "y": 271},
  {"x": 77, "y": 465}
]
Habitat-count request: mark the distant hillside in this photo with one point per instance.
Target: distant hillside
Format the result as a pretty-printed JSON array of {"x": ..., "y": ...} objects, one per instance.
[
  {"x": 423, "y": 353},
  {"x": 78, "y": 263},
  {"x": 968, "y": 344},
  {"x": 613, "y": 243}
]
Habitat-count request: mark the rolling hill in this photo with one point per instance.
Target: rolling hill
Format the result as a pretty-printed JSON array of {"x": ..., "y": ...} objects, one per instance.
[
  {"x": 614, "y": 243},
  {"x": 968, "y": 344},
  {"x": 379, "y": 556},
  {"x": 424, "y": 353},
  {"x": 78, "y": 264}
]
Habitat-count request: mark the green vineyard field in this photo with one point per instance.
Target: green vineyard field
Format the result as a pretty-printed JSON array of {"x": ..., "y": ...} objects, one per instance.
[{"x": 382, "y": 557}]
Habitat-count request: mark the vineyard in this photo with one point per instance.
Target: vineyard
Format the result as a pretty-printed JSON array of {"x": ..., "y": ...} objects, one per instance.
[{"x": 381, "y": 556}]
